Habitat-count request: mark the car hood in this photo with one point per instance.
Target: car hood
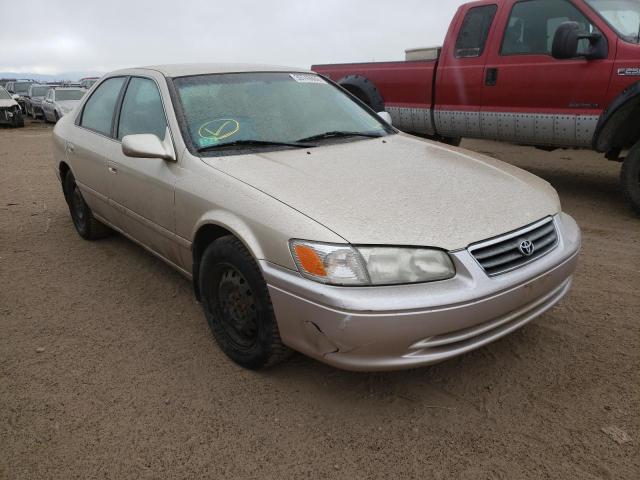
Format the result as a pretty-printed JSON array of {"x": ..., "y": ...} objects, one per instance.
[
  {"x": 4, "y": 103},
  {"x": 400, "y": 191}
]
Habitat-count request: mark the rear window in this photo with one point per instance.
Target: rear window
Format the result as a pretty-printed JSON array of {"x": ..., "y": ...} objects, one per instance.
[
  {"x": 475, "y": 31},
  {"x": 39, "y": 91}
]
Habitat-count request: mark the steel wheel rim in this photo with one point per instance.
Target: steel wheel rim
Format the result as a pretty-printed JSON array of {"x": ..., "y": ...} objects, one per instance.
[{"x": 238, "y": 312}]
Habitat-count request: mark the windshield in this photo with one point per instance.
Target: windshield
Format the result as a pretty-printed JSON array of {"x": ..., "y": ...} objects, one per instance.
[
  {"x": 622, "y": 15},
  {"x": 39, "y": 91},
  {"x": 4, "y": 95},
  {"x": 21, "y": 87},
  {"x": 268, "y": 107},
  {"x": 62, "y": 95}
]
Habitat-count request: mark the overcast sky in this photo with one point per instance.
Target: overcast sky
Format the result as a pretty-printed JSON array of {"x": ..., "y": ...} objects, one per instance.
[{"x": 56, "y": 36}]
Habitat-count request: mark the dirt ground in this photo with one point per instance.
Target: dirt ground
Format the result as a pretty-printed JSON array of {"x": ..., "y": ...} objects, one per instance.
[{"x": 108, "y": 369}]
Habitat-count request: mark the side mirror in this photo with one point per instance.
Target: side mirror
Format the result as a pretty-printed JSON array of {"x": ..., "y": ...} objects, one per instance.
[
  {"x": 146, "y": 145},
  {"x": 567, "y": 38},
  {"x": 386, "y": 117}
]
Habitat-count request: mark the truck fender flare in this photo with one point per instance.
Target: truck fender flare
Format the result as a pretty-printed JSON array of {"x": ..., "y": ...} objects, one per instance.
[
  {"x": 363, "y": 89},
  {"x": 619, "y": 125}
]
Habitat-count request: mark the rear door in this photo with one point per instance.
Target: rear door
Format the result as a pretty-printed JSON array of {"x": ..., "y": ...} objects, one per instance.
[
  {"x": 89, "y": 142},
  {"x": 536, "y": 99},
  {"x": 460, "y": 73},
  {"x": 142, "y": 189}
]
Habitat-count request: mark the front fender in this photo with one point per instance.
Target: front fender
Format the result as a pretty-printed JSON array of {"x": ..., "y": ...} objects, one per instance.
[{"x": 619, "y": 125}]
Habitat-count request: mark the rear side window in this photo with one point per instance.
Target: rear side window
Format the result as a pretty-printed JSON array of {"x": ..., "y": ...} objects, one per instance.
[
  {"x": 533, "y": 24},
  {"x": 98, "y": 111},
  {"x": 142, "y": 110},
  {"x": 475, "y": 31}
]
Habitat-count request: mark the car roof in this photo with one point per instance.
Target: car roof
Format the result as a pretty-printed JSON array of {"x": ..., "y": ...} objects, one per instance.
[{"x": 185, "y": 69}]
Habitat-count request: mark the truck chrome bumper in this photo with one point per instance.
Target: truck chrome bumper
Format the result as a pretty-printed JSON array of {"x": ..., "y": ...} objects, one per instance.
[{"x": 406, "y": 326}]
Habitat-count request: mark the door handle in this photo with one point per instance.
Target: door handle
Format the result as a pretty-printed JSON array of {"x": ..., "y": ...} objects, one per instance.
[
  {"x": 113, "y": 170},
  {"x": 491, "y": 77}
]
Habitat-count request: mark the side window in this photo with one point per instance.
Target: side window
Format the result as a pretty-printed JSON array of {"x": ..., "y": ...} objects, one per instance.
[
  {"x": 474, "y": 31},
  {"x": 533, "y": 24},
  {"x": 98, "y": 111},
  {"x": 142, "y": 110}
]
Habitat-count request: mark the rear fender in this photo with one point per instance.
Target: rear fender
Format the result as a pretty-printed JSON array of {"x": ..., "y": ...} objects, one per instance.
[{"x": 364, "y": 90}]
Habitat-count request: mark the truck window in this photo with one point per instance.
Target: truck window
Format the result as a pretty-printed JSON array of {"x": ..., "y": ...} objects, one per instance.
[
  {"x": 474, "y": 31},
  {"x": 533, "y": 24}
]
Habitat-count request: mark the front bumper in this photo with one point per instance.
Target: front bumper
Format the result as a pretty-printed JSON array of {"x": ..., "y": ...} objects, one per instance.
[{"x": 405, "y": 326}]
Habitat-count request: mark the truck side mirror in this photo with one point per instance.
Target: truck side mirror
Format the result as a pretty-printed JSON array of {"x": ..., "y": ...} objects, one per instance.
[{"x": 567, "y": 38}]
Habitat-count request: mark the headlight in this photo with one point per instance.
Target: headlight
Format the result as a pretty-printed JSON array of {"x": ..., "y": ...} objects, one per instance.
[{"x": 348, "y": 265}]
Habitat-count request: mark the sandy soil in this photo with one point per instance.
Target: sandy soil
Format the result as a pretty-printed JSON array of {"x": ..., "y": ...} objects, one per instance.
[{"x": 108, "y": 369}]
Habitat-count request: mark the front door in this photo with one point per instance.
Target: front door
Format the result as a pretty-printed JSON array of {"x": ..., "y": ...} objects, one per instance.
[
  {"x": 142, "y": 189},
  {"x": 536, "y": 99}
]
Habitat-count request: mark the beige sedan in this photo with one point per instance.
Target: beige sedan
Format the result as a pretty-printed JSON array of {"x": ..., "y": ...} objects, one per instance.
[{"x": 306, "y": 222}]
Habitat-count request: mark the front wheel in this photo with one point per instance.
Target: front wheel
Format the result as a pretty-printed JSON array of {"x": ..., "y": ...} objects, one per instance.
[
  {"x": 630, "y": 177},
  {"x": 237, "y": 306},
  {"x": 83, "y": 220},
  {"x": 18, "y": 119}
]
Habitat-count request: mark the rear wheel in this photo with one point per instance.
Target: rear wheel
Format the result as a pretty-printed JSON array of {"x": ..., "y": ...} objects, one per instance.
[
  {"x": 237, "y": 306},
  {"x": 630, "y": 177},
  {"x": 86, "y": 225}
]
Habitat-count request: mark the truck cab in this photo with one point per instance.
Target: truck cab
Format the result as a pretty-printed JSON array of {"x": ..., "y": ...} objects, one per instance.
[{"x": 546, "y": 73}]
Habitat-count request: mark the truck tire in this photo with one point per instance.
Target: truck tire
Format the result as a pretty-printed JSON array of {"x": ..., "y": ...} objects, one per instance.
[
  {"x": 18, "y": 119},
  {"x": 237, "y": 306},
  {"x": 630, "y": 177},
  {"x": 364, "y": 90}
]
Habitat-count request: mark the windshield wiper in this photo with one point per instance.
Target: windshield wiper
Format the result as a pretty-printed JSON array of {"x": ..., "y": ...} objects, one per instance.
[
  {"x": 337, "y": 134},
  {"x": 254, "y": 143}
]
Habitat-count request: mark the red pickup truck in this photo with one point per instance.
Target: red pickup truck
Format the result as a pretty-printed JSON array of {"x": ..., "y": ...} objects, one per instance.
[{"x": 547, "y": 73}]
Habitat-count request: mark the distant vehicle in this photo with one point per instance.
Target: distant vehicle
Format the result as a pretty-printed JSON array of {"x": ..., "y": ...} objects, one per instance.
[
  {"x": 17, "y": 89},
  {"x": 4, "y": 81},
  {"x": 60, "y": 101},
  {"x": 306, "y": 221},
  {"x": 10, "y": 112},
  {"x": 33, "y": 100},
  {"x": 88, "y": 82},
  {"x": 546, "y": 73}
]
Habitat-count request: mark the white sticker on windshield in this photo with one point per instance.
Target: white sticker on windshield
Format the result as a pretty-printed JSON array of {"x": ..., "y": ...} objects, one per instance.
[{"x": 307, "y": 78}]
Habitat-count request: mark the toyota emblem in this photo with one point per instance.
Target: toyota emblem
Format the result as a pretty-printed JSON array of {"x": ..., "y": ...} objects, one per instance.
[{"x": 526, "y": 248}]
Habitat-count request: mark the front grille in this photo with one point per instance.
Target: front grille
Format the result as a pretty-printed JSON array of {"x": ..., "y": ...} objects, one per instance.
[{"x": 513, "y": 250}]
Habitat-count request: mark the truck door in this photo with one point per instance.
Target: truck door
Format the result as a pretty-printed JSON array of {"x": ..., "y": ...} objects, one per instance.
[
  {"x": 531, "y": 98},
  {"x": 460, "y": 73}
]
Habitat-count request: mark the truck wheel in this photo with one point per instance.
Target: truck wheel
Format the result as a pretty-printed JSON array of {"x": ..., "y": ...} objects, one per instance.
[
  {"x": 18, "y": 119},
  {"x": 237, "y": 306},
  {"x": 630, "y": 177},
  {"x": 86, "y": 225},
  {"x": 453, "y": 141}
]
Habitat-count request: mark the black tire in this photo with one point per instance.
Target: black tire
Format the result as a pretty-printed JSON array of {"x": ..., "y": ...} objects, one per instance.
[
  {"x": 453, "y": 141},
  {"x": 630, "y": 177},
  {"x": 18, "y": 119},
  {"x": 56, "y": 116},
  {"x": 83, "y": 220},
  {"x": 237, "y": 306}
]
